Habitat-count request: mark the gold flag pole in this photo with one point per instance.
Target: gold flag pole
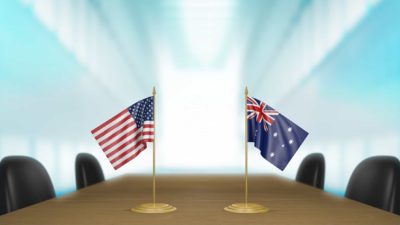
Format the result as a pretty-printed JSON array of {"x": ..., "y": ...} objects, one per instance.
[
  {"x": 154, "y": 147},
  {"x": 246, "y": 92},
  {"x": 246, "y": 207},
  {"x": 154, "y": 207}
]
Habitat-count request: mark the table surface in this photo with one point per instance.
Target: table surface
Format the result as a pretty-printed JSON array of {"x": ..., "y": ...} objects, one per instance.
[{"x": 200, "y": 199}]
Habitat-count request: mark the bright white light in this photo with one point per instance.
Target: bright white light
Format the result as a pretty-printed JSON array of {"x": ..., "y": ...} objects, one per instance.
[
  {"x": 199, "y": 124},
  {"x": 205, "y": 25}
]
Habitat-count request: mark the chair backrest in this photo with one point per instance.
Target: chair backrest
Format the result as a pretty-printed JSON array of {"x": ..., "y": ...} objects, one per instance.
[
  {"x": 23, "y": 182},
  {"x": 312, "y": 170},
  {"x": 87, "y": 170},
  {"x": 376, "y": 182}
]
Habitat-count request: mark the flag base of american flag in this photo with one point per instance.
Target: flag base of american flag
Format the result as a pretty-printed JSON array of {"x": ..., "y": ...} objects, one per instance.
[
  {"x": 153, "y": 208},
  {"x": 246, "y": 208}
]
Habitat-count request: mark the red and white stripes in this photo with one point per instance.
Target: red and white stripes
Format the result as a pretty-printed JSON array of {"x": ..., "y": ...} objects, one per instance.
[{"x": 120, "y": 138}]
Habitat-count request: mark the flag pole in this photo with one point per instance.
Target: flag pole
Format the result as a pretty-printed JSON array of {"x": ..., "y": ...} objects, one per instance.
[
  {"x": 246, "y": 207},
  {"x": 154, "y": 207},
  {"x": 246, "y": 92},
  {"x": 154, "y": 148}
]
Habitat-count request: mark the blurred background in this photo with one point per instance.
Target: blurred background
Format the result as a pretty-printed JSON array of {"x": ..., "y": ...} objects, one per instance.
[{"x": 332, "y": 67}]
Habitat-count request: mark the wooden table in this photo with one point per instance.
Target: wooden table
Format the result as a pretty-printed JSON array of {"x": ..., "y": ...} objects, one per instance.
[{"x": 200, "y": 200}]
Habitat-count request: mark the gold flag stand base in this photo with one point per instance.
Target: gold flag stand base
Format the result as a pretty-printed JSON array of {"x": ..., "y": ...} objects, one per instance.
[
  {"x": 246, "y": 208},
  {"x": 153, "y": 208}
]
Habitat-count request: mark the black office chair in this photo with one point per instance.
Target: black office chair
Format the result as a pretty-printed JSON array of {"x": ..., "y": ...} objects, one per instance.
[
  {"x": 87, "y": 170},
  {"x": 23, "y": 182},
  {"x": 312, "y": 171},
  {"x": 376, "y": 182}
]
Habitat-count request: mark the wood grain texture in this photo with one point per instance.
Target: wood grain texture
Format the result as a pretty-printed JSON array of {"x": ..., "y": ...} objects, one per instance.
[{"x": 200, "y": 200}]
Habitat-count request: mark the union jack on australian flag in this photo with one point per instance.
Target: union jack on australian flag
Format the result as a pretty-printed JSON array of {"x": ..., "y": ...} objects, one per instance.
[{"x": 276, "y": 136}]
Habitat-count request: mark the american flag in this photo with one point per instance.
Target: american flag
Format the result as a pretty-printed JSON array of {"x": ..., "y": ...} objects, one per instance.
[
  {"x": 125, "y": 135},
  {"x": 276, "y": 136}
]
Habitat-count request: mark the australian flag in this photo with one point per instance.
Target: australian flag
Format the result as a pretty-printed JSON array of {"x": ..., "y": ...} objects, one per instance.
[{"x": 276, "y": 136}]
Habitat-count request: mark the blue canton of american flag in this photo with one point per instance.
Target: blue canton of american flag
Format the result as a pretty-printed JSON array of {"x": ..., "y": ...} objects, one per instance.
[
  {"x": 125, "y": 136},
  {"x": 276, "y": 136}
]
